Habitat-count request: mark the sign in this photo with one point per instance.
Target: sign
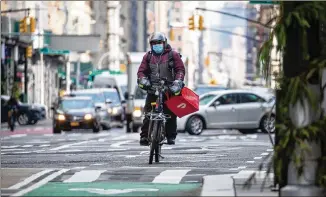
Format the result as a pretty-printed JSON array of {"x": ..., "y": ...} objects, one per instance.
[
  {"x": 49, "y": 51},
  {"x": 264, "y": 2}
]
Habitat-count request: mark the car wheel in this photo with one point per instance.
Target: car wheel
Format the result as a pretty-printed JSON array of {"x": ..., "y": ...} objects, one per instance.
[
  {"x": 106, "y": 127},
  {"x": 135, "y": 129},
  {"x": 23, "y": 119},
  {"x": 56, "y": 130},
  {"x": 247, "y": 131},
  {"x": 267, "y": 124},
  {"x": 195, "y": 125}
]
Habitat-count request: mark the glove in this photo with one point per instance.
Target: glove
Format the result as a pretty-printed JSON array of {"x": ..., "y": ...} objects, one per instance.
[
  {"x": 144, "y": 83},
  {"x": 176, "y": 87}
]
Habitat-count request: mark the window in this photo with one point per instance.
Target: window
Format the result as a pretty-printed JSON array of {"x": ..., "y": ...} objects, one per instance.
[
  {"x": 179, "y": 38},
  {"x": 250, "y": 98},
  {"x": 179, "y": 50},
  {"x": 206, "y": 99},
  {"x": 228, "y": 99}
]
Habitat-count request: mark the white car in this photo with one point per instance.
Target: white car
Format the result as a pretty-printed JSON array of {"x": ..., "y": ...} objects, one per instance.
[{"x": 244, "y": 110}]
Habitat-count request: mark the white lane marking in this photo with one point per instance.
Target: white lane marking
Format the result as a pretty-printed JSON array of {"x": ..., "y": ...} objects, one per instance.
[
  {"x": 131, "y": 156},
  {"x": 233, "y": 169},
  {"x": 167, "y": 148},
  {"x": 97, "y": 164},
  {"x": 14, "y": 149},
  {"x": 18, "y": 135},
  {"x": 78, "y": 168},
  {"x": 48, "y": 134},
  {"x": 27, "y": 146},
  {"x": 247, "y": 173},
  {"x": 242, "y": 167},
  {"x": 69, "y": 145},
  {"x": 144, "y": 153},
  {"x": 39, "y": 128},
  {"x": 264, "y": 154},
  {"x": 252, "y": 136},
  {"x": 44, "y": 145},
  {"x": 23, "y": 152},
  {"x": 170, "y": 176},
  {"x": 85, "y": 176},
  {"x": 250, "y": 161},
  {"x": 243, "y": 137},
  {"x": 224, "y": 130},
  {"x": 119, "y": 137},
  {"x": 39, "y": 151},
  {"x": 30, "y": 179},
  {"x": 257, "y": 158},
  {"x": 118, "y": 144},
  {"x": 270, "y": 150},
  {"x": 9, "y": 146},
  {"x": 40, "y": 183},
  {"x": 102, "y": 140},
  {"x": 224, "y": 187}
]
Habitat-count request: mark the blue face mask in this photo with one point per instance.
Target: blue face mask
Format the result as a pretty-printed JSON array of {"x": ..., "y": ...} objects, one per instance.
[{"x": 158, "y": 48}]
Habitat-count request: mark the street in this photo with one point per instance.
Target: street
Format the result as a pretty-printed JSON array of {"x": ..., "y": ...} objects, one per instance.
[{"x": 80, "y": 163}]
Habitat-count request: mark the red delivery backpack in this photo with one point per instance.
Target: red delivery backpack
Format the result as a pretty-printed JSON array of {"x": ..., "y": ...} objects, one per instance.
[{"x": 185, "y": 103}]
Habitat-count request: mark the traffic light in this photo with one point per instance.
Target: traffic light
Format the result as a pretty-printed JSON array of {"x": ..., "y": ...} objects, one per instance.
[
  {"x": 29, "y": 51},
  {"x": 201, "y": 22},
  {"x": 213, "y": 82},
  {"x": 207, "y": 61},
  {"x": 32, "y": 24},
  {"x": 171, "y": 34},
  {"x": 192, "y": 23},
  {"x": 23, "y": 25}
]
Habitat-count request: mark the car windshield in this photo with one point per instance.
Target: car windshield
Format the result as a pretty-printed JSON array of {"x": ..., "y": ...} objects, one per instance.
[
  {"x": 206, "y": 89},
  {"x": 75, "y": 104},
  {"x": 113, "y": 96},
  {"x": 96, "y": 97},
  {"x": 140, "y": 94},
  {"x": 206, "y": 99}
]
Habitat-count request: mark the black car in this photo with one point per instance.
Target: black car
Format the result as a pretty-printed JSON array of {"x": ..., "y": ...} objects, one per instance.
[
  {"x": 75, "y": 113},
  {"x": 27, "y": 114}
]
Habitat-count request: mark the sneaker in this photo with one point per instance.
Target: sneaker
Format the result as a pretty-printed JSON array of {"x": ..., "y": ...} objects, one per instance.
[
  {"x": 143, "y": 141},
  {"x": 171, "y": 141}
]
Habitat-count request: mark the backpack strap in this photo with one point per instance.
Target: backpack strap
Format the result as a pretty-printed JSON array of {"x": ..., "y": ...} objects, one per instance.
[
  {"x": 171, "y": 63},
  {"x": 149, "y": 56}
]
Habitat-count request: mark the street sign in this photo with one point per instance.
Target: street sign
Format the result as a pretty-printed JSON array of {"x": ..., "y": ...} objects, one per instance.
[
  {"x": 264, "y": 2},
  {"x": 49, "y": 51}
]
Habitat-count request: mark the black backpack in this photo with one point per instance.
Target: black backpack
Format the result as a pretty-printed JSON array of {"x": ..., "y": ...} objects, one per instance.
[{"x": 171, "y": 60}]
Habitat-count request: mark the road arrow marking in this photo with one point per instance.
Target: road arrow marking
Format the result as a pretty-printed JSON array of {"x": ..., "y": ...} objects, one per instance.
[{"x": 113, "y": 191}]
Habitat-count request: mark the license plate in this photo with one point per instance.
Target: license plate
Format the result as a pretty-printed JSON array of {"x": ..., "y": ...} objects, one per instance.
[{"x": 74, "y": 124}]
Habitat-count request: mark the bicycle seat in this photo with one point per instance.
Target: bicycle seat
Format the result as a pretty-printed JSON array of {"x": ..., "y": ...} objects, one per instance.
[{"x": 153, "y": 103}]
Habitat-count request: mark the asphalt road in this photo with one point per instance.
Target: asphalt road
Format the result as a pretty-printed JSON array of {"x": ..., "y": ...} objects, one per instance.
[{"x": 34, "y": 162}]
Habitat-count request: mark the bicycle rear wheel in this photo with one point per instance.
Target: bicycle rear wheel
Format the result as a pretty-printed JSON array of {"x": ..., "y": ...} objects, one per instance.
[
  {"x": 154, "y": 142},
  {"x": 11, "y": 123}
]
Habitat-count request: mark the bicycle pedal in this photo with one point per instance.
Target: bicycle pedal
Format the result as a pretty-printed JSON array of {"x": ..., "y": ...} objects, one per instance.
[{"x": 161, "y": 157}]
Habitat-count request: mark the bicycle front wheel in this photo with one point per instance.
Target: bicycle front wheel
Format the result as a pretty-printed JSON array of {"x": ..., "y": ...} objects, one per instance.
[{"x": 154, "y": 141}]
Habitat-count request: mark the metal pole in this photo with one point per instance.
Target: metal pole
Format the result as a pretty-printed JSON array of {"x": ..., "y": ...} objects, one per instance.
[
  {"x": 68, "y": 75},
  {"x": 26, "y": 79},
  {"x": 78, "y": 72},
  {"x": 200, "y": 58},
  {"x": 16, "y": 54}
]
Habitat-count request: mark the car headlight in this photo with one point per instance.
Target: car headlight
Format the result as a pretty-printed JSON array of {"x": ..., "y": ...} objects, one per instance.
[
  {"x": 137, "y": 112},
  {"x": 60, "y": 117},
  {"x": 88, "y": 117},
  {"x": 109, "y": 110},
  {"x": 115, "y": 110}
]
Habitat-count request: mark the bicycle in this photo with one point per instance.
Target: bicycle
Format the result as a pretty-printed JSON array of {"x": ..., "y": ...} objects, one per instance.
[
  {"x": 11, "y": 118},
  {"x": 157, "y": 120}
]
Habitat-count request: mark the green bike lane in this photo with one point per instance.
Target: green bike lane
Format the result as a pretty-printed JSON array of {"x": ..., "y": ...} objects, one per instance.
[
  {"x": 127, "y": 182},
  {"x": 116, "y": 189}
]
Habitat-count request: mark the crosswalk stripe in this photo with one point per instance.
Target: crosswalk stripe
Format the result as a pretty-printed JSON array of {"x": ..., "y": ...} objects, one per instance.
[
  {"x": 40, "y": 183},
  {"x": 170, "y": 176},
  {"x": 85, "y": 176},
  {"x": 30, "y": 179}
]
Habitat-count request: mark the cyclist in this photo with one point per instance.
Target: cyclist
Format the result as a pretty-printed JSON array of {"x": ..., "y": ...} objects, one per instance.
[
  {"x": 155, "y": 65},
  {"x": 12, "y": 104}
]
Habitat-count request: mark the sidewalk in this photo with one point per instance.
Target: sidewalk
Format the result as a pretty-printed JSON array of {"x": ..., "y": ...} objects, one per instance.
[{"x": 222, "y": 185}]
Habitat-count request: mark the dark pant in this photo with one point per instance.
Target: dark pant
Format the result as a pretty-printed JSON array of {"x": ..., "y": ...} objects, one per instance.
[{"x": 171, "y": 123}]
